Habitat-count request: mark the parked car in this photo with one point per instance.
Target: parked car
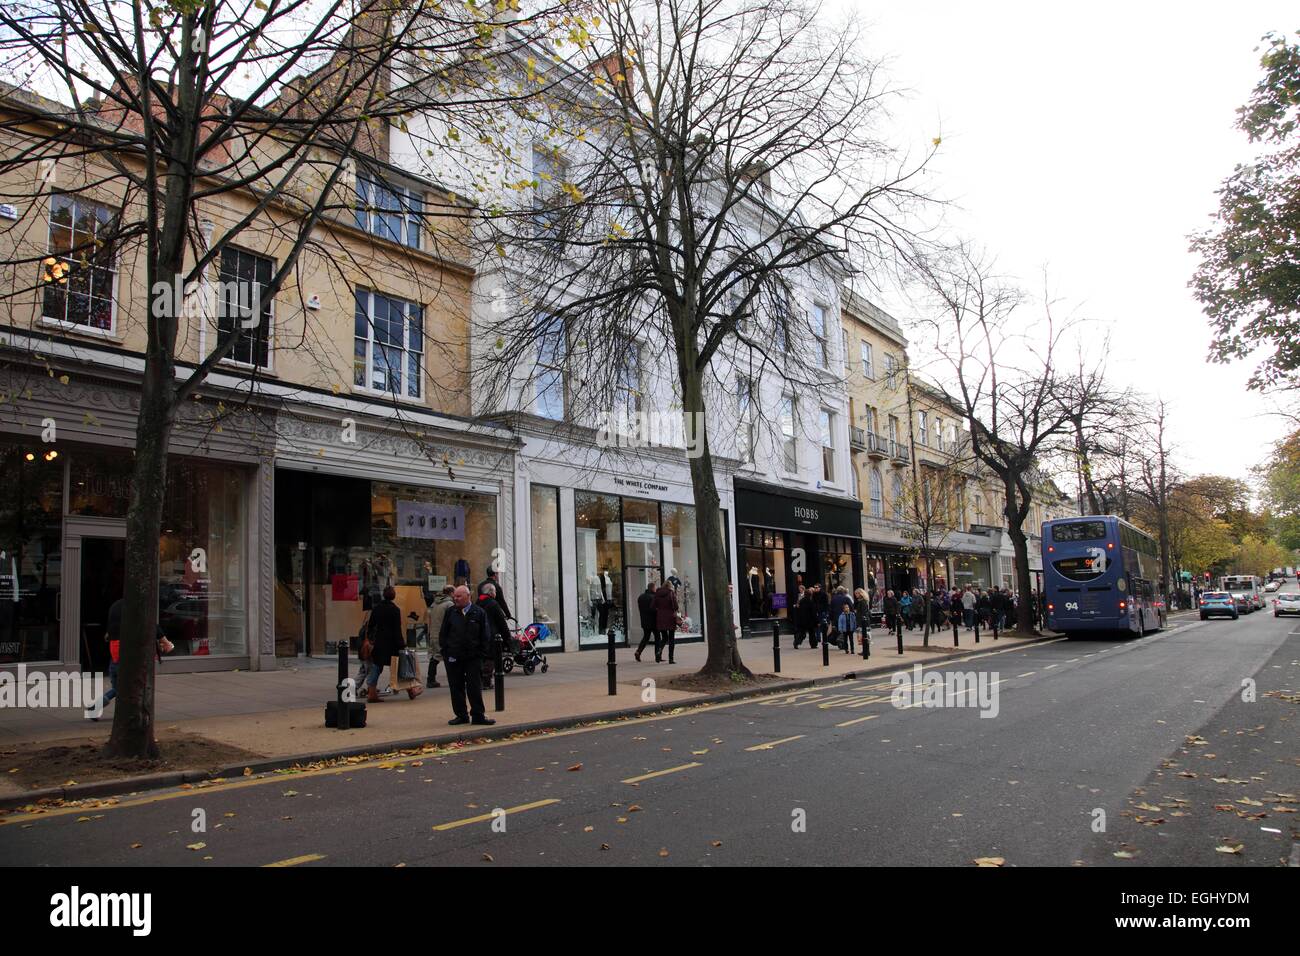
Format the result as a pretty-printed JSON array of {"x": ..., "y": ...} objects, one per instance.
[
  {"x": 1218, "y": 604},
  {"x": 1272, "y": 586},
  {"x": 1288, "y": 602}
]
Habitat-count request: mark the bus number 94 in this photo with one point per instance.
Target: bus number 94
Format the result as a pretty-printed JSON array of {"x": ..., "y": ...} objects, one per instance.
[{"x": 1071, "y": 606}]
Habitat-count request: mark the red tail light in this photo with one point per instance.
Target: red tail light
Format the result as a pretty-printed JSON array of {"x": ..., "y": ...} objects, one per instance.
[{"x": 1123, "y": 605}]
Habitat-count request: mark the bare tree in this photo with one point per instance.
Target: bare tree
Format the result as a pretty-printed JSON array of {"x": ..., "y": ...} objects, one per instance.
[
  {"x": 280, "y": 111},
  {"x": 706, "y": 169},
  {"x": 1008, "y": 382}
]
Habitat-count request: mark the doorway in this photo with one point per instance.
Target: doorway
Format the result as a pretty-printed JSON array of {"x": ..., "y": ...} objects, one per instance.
[{"x": 103, "y": 562}]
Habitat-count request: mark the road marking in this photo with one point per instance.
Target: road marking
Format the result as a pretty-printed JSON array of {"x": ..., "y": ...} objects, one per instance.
[
  {"x": 296, "y": 860},
  {"x": 1049, "y": 667},
  {"x": 857, "y": 720},
  {"x": 1072, "y": 660},
  {"x": 1027, "y": 674},
  {"x": 660, "y": 773},
  {"x": 776, "y": 743},
  {"x": 484, "y": 817}
]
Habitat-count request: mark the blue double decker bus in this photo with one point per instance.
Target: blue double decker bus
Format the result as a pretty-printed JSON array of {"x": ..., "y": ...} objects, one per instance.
[{"x": 1101, "y": 573}]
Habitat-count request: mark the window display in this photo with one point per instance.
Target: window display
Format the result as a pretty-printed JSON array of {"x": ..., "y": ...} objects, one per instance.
[
  {"x": 548, "y": 603},
  {"x": 31, "y": 559},
  {"x": 598, "y": 569}
]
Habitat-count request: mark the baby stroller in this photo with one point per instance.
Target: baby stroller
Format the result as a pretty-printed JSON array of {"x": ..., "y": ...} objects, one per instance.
[{"x": 523, "y": 650}]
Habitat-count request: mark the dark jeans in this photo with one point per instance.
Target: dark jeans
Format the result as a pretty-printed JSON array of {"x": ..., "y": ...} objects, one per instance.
[
  {"x": 464, "y": 677},
  {"x": 669, "y": 637},
  {"x": 646, "y": 638}
]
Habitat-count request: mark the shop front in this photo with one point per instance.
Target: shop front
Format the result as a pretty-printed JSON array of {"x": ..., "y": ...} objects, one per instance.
[
  {"x": 972, "y": 571},
  {"x": 594, "y": 537},
  {"x": 63, "y": 513},
  {"x": 785, "y": 540}
]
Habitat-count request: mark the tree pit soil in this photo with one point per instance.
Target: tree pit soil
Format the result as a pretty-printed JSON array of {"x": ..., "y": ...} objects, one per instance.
[
  {"x": 719, "y": 683},
  {"x": 56, "y": 763}
]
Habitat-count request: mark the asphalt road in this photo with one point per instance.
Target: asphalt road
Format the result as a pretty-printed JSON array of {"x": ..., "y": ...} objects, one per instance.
[{"x": 837, "y": 775}]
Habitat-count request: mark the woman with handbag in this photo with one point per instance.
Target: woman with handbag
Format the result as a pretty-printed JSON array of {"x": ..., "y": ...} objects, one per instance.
[{"x": 385, "y": 633}]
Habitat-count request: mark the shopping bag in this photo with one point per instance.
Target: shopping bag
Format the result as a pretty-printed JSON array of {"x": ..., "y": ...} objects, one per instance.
[{"x": 395, "y": 669}]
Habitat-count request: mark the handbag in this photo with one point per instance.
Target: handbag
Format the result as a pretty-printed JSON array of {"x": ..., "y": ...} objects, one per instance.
[
  {"x": 406, "y": 669},
  {"x": 365, "y": 646}
]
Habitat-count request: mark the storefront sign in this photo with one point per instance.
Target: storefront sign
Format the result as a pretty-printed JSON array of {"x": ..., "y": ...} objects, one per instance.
[
  {"x": 416, "y": 519},
  {"x": 437, "y": 582},
  {"x": 640, "y": 532},
  {"x": 816, "y": 513},
  {"x": 640, "y": 484},
  {"x": 778, "y": 600}
]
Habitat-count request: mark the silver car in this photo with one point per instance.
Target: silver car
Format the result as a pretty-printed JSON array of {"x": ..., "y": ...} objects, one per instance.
[{"x": 1287, "y": 602}]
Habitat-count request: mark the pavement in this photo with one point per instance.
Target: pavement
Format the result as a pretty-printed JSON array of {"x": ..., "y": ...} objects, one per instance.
[
  {"x": 1092, "y": 753},
  {"x": 279, "y": 714}
]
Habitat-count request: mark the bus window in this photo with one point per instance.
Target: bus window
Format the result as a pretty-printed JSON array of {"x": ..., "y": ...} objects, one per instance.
[{"x": 1079, "y": 531}]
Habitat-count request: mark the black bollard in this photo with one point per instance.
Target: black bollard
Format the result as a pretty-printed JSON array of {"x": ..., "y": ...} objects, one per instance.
[
  {"x": 499, "y": 673},
  {"x": 995, "y": 627},
  {"x": 344, "y": 708},
  {"x": 826, "y": 651},
  {"x": 866, "y": 639},
  {"x": 776, "y": 647},
  {"x": 899, "y": 624},
  {"x": 977, "y": 628},
  {"x": 613, "y": 666}
]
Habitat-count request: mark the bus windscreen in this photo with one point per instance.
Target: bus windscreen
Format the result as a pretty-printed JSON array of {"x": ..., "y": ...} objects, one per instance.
[{"x": 1079, "y": 531}]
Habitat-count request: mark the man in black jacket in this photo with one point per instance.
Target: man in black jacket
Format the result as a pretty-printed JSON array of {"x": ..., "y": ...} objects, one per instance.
[
  {"x": 463, "y": 640},
  {"x": 385, "y": 632},
  {"x": 493, "y": 580},
  {"x": 645, "y": 605},
  {"x": 498, "y": 627}
]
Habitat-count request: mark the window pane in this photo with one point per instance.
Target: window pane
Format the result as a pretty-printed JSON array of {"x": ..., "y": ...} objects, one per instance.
[{"x": 548, "y": 602}]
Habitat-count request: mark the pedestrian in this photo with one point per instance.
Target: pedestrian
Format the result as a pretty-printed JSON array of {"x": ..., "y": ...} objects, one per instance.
[
  {"x": 905, "y": 608},
  {"x": 968, "y": 601},
  {"x": 804, "y": 617},
  {"x": 984, "y": 607},
  {"x": 862, "y": 608},
  {"x": 890, "y": 606},
  {"x": 841, "y": 616},
  {"x": 498, "y": 629},
  {"x": 385, "y": 632},
  {"x": 437, "y": 611},
  {"x": 463, "y": 640},
  {"x": 500, "y": 591},
  {"x": 645, "y": 605},
  {"x": 113, "y": 634},
  {"x": 821, "y": 614},
  {"x": 665, "y": 606}
]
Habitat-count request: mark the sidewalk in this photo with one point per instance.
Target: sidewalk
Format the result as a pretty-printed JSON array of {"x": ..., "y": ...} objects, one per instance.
[{"x": 280, "y": 713}]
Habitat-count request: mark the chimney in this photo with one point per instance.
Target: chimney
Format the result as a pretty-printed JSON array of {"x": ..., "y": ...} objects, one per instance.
[{"x": 615, "y": 69}]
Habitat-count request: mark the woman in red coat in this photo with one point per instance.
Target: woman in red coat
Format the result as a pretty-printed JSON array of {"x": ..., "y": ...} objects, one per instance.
[{"x": 665, "y": 605}]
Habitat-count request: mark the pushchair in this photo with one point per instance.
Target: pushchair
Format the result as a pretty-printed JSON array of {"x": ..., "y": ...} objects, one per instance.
[{"x": 523, "y": 652}]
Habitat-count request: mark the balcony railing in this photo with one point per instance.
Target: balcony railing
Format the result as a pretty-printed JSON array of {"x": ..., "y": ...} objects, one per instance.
[
  {"x": 857, "y": 438},
  {"x": 898, "y": 452},
  {"x": 877, "y": 447}
]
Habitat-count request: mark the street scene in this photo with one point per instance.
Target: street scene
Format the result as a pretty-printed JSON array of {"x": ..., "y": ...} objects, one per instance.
[{"x": 677, "y": 433}]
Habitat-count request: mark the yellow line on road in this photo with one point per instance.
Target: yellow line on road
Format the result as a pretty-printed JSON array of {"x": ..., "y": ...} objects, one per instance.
[
  {"x": 857, "y": 720},
  {"x": 776, "y": 743},
  {"x": 660, "y": 773},
  {"x": 484, "y": 817},
  {"x": 296, "y": 860}
]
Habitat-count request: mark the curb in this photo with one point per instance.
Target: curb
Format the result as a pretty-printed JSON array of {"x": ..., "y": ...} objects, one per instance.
[{"x": 174, "y": 778}]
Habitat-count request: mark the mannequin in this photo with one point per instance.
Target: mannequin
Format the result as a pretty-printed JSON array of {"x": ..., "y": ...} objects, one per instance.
[
  {"x": 755, "y": 592},
  {"x": 606, "y": 598}
]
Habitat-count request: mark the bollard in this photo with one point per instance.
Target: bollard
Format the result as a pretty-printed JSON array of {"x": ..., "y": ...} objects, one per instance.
[
  {"x": 898, "y": 623},
  {"x": 344, "y": 708},
  {"x": 776, "y": 647},
  {"x": 995, "y": 627},
  {"x": 499, "y": 674},
  {"x": 612, "y": 665},
  {"x": 977, "y": 628},
  {"x": 826, "y": 651},
  {"x": 866, "y": 638}
]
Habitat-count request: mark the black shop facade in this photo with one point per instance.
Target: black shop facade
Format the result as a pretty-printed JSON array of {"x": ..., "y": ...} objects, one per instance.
[{"x": 785, "y": 539}]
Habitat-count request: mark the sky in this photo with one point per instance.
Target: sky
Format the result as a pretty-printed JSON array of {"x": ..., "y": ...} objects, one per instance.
[{"x": 1085, "y": 142}]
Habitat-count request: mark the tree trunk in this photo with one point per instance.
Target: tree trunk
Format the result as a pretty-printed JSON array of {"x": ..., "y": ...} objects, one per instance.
[
  {"x": 1020, "y": 546},
  {"x": 719, "y": 628}
]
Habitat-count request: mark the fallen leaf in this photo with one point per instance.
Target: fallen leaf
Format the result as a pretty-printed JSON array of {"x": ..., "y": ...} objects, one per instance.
[
  {"x": 604, "y": 846},
  {"x": 136, "y": 846},
  {"x": 988, "y": 861},
  {"x": 634, "y": 808},
  {"x": 716, "y": 843},
  {"x": 1233, "y": 848},
  {"x": 487, "y": 858},
  {"x": 1124, "y": 854},
  {"x": 663, "y": 852},
  {"x": 289, "y": 793},
  {"x": 576, "y": 766},
  {"x": 248, "y": 771},
  {"x": 196, "y": 846},
  {"x": 587, "y": 829}
]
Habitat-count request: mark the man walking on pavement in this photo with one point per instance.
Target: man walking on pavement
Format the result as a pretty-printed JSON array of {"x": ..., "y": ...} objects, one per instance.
[
  {"x": 495, "y": 582},
  {"x": 463, "y": 640},
  {"x": 498, "y": 627},
  {"x": 645, "y": 605}
]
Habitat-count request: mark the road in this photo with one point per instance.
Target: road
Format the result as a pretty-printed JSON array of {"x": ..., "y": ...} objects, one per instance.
[{"x": 1152, "y": 732}]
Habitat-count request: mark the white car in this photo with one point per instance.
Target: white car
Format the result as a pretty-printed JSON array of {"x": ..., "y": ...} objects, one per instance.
[
  {"x": 1272, "y": 586},
  {"x": 1288, "y": 602}
]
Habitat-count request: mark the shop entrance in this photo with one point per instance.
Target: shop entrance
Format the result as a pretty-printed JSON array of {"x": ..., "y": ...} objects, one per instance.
[{"x": 103, "y": 561}]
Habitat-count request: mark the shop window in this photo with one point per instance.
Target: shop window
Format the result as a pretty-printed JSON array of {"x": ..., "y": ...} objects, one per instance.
[
  {"x": 598, "y": 567},
  {"x": 548, "y": 598},
  {"x": 681, "y": 563},
  {"x": 31, "y": 558},
  {"x": 201, "y": 587}
]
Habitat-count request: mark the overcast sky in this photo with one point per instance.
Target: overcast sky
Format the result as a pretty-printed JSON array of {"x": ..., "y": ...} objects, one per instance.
[{"x": 1089, "y": 140}]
